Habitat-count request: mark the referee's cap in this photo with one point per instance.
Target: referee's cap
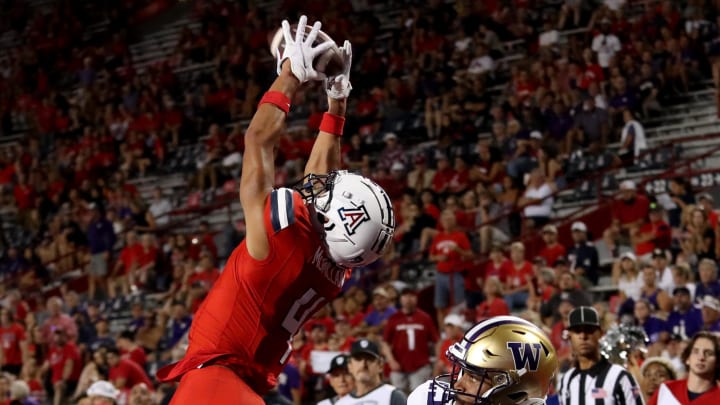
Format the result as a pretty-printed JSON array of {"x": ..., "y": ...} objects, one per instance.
[{"x": 583, "y": 316}]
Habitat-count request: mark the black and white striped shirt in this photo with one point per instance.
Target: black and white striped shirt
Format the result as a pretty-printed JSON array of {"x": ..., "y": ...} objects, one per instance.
[{"x": 602, "y": 384}]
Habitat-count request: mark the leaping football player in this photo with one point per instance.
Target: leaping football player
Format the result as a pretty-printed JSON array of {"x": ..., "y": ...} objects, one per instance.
[{"x": 299, "y": 243}]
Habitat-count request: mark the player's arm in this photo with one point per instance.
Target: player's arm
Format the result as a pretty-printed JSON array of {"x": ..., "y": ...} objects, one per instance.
[
  {"x": 265, "y": 129},
  {"x": 325, "y": 155}
]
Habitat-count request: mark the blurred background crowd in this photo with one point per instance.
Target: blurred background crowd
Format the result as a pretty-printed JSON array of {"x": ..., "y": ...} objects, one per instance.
[{"x": 119, "y": 167}]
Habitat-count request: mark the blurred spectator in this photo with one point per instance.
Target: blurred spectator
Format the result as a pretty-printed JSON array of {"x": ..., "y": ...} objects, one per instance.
[
  {"x": 631, "y": 208},
  {"x": 655, "y": 371},
  {"x": 20, "y": 394},
  {"x": 653, "y": 233},
  {"x": 340, "y": 379},
  {"x": 632, "y": 140},
  {"x": 605, "y": 44},
  {"x": 552, "y": 249},
  {"x": 65, "y": 365},
  {"x": 101, "y": 238},
  {"x": 651, "y": 291},
  {"x": 568, "y": 290},
  {"x": 628, "y": 279},
  {"x": 382, "y": 309},
  {"x": 655, "y": 328},
  {"x": 103, "y": 392},
  {"x": 583, "y": 256},
  {"x": 537, "y": 200},
  {"x": 708, "y": 284},
  {"x": 590, "y": 126},
  {"x": 124, "y": 373},
  {"x": 57, "y": 320},
  {"x": 710, "y": 308},
  {"x": 409, "y": 336},
  {"x": 682, "y": 196},
  {"x": 685, "y": 320},
  {"x": 516, "y": 276},
  {"x": 453, "y": 330},
  {"x": 449, "y": 250},
  {"x": 14, "y": 343},
  {"x": 492, "y": 221},
  {"x": 160, "y": 207},
  {"x": 494, "y": 303},
  {"x": 698, "y": 239},
  {"x": 129, "y": 349},
  {"x": 365, "y": 365},
  {"x": 420, "y": 178}
]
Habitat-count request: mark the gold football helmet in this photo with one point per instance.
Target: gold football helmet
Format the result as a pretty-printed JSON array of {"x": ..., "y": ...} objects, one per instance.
[{"x": 511, "y": 356}]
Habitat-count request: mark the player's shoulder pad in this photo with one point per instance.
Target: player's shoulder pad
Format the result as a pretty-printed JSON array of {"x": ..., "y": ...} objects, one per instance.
[{"x": 282, "y": 208}]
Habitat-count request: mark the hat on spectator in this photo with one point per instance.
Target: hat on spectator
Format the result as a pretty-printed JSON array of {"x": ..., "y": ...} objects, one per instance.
[
  {"x": 628, "y": 185},
  {"x": 419, "y": 160},
  {"x": 338, "y": 362},
  {"x": 681, "y": 290},
  {"x": 390, "y": 136},
  {"x": 579, "y": 226},
  {"x": 536, "y": 135},
  {"x": 364, "y": 346},
  {"x": 381, "y": 291},
  {"x": 705, "y": 196},
  {"x": 657, "y": 252},
  {"x": 561, "y": 260},
  {"x": 583, "y": 316},
  {"x": 655, "y": 207},
  {"x": 628, "y": 255},
  {"x": 408, "y": 290},
  {"x": 19, "y": 389},
  {"x": 549, "y": 228},
  {"x": 711, "y": 302},
  {"x": 103, "y": 389},
  {"x": 539, "y": 260},
  {"x": 663, "y": 362},
  {"x": 455, "y": 320},
  {"x": 397, "y": 167}
]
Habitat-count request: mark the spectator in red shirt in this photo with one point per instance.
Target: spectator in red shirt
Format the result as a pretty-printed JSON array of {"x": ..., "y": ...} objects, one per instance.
[
  {"x": 516, "y": 277},
  {"x": 632, "y": 208},
  {"x": 494, "y": 304},
  {"x": 14, "y": 344},
  {"x": 553, "y": 249},
  {"x": 130, "y": 349},
  {"x": 124, "y": 373},
  {"x": 454, "y": 327},
  {"x": 449, "y": 249},
  {"x": 443, "y": 175},
  {"x": 408, "y": 340},
  {"x": 655, "y": 233},
  {"x": 124, "y": 265},
  {"x": 65, "y": 365},
  {"x": 706, "y": 202},
  {"x": 58, "y": 321}
]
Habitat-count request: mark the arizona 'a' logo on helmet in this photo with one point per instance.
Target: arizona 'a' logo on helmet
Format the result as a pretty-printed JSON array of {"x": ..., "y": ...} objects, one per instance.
[{"x": 352, "y": 217}]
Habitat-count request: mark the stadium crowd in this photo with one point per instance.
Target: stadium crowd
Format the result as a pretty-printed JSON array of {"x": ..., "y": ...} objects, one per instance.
[{"x": 498, "y": 155}]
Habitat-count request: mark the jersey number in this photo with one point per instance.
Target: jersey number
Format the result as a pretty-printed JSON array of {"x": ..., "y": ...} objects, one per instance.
[{"x": 299, "y": 311}]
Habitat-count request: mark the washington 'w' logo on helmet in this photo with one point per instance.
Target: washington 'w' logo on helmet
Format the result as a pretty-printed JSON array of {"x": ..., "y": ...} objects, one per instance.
[
  {"x": 353, "y": 217},
  {"x": 525, "y": 355}
]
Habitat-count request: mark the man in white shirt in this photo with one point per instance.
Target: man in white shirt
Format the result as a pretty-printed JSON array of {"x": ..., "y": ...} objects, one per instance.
[
  {"x": 632, "y": 139},
  {"x": 605, "y": 44},
  {"x": 366, "y": 367},
  {"x": 537, "y": 200},
  {"x": 160, "y": 207}
]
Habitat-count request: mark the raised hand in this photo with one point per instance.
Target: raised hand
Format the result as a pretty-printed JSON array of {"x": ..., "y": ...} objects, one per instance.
[
  {"x": 338, "y": 87},
  {"x": 300, "y": 51}
]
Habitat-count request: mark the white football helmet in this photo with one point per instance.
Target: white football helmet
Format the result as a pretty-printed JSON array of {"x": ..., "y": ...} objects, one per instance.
[{"x": 355, "y": 212}]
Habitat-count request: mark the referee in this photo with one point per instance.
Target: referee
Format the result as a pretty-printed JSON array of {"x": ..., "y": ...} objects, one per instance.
[{"x": 594, "y": 380}]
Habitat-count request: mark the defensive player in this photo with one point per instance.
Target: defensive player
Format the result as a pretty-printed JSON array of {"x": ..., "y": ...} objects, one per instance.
[
  {"x": 503, "y": 360},
  {"x": 298, "y": 247}
]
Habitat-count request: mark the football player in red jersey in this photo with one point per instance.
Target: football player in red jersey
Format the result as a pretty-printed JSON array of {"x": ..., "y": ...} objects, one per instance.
[{"x": 299, "y": 244}]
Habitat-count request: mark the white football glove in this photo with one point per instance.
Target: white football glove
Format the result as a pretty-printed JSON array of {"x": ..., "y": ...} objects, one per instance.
[
  {"x": 301, "y": 52},
  {"x": 338, "y": 87}
]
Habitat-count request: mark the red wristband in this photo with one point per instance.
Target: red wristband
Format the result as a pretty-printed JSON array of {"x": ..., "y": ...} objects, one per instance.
[
  {"x": 277, "y": 99},
  {"x": 332, "y": 124}
]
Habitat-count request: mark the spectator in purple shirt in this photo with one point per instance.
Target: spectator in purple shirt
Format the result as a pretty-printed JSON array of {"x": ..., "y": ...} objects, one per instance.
[
  {"x": 289, "y": 382},
  {"x": 656, "y": 328},
  {"x": 382, "y": 309},
  {"x": 685, "y": 320},
  {"x": 101, "y": 239},
  {"x": 708, "y": 284}
]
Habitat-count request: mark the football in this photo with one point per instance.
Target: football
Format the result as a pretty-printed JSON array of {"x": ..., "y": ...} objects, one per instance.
[{"x": 330, "y": 62}]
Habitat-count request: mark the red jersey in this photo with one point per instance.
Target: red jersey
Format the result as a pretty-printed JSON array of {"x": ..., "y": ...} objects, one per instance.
[
  {"x": 551, "y": 253},
  {"x": 137, "y": 355},
  {"x": 676, "y": 393},
  {"x": 131, "y": 372},
  {"x": 488, "y": 309},
  {"x": 514, "y": 276},
  {"x": 11, "y": 337},
  {"x": 58, "y": 356},
  {"x": 444, "y": 243},
  {"x": 256, "y": 306},
  {"x": 629, "y": 213},
  {"x": 409, "y": 337}
]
